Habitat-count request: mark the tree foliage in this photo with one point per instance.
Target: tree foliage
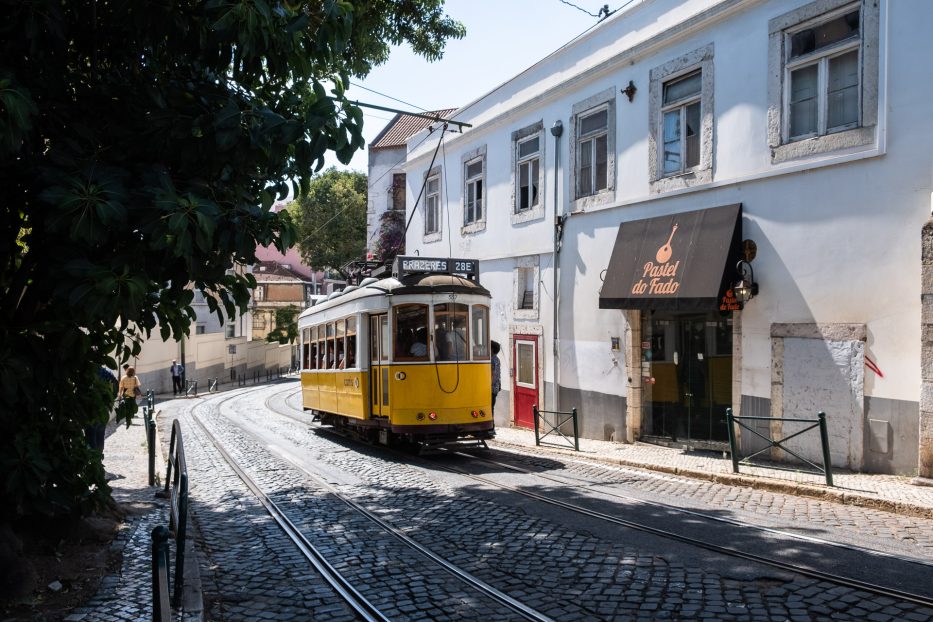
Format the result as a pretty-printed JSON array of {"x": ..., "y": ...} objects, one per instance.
[
  {"x": 286, "y": 325},
  {"x": 331, "y": 219},
  {"x": 390, "y": 239},
  {"x": 141, "y": 147}
]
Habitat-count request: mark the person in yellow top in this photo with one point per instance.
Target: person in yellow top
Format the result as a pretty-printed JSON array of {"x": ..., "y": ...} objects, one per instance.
[{"x": 129, "y": 385}]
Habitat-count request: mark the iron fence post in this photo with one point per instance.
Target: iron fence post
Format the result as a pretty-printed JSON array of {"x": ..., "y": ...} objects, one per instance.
[
  {"x": 730, "y": 421},
  {"x": 576, "y": 437},
  {"x": 151, "y": 440},
  {"x": 824, "y": 438},
  {"x": 161, "y": 611},
  {"x": 181, "y": 529},
  {"x": 534, "y": 410}
]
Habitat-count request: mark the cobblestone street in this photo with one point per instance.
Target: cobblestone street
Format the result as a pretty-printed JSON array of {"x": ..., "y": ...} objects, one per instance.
[{"x": 559, "y": 562}]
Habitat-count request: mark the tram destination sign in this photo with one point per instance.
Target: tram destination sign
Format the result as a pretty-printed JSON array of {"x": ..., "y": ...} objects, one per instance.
[{"x": 435, "y": 265}]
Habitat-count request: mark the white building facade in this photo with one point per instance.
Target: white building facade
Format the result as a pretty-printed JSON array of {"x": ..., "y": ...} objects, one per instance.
[{"x": 616, "y": 191}]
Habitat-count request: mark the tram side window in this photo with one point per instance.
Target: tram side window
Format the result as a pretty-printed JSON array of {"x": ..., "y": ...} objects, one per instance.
[
  {"x": 479, "y": 333},
  {"x": 312, "y": 348},
  {"x": 351, "y": 343},
  {"x": 329, "y": 357},
  {"x": 305, "y": 347},
  {"x": 339, "y": 361},
  {"x": 450, "y": 331},
  {"x": 411, "y": 333},
  {"x": 321, "y": 347}
]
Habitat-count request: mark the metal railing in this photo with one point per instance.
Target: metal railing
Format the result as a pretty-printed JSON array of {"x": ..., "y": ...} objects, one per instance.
[
  {"x": 212, "y": 385},
  {"x": 176, "y": 490},
  {"x": 161, "y": 609},
  {"x": 191, "y": 388},
  {"x": 819, "y": 422},
  {"x": 560, "y": 418}
]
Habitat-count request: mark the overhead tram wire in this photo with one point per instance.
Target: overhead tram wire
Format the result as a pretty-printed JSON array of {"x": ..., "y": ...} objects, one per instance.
[
  {"x": 434, "y": 117},
  {"x": 401, "y": 101}
]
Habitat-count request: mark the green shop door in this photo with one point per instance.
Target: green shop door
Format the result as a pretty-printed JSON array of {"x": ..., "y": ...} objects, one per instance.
[{"x": 686, "y": 375}]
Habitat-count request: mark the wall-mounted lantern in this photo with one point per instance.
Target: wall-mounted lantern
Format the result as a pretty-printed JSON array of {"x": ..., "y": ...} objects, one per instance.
[
  {"x": 745, "y": 287},
  {"x": 630, "y": 90}
]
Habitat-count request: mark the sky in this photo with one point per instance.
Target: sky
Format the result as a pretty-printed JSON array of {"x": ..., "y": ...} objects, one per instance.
[{"x": 503, "y": 38}]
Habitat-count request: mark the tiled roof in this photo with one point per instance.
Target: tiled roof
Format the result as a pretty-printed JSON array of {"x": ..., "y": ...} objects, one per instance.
[
  {"x": 266, "y": 271},
  {"x": 403, "y": 127}
]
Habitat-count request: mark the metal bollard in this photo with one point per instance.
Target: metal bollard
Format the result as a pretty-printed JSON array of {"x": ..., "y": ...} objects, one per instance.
[
  {"x": 161, "y": 609},
  {"x": 824, "y": 439},
  {"x": 730, "y": 422}
]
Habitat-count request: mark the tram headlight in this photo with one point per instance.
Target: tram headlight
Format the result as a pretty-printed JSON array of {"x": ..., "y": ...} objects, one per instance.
[
  {"x": 432, "y": 416},
  {"x": 420, "y": 416},
  {"x": 482, "y": 413},
  {"x": 475, "y": 414}
]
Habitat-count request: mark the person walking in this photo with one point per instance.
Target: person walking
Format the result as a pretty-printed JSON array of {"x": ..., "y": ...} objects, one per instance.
[
  {"x": 177, "y": 372},
  {"x": 129, "y": 385},
  {"x": 496, "y": 374}
]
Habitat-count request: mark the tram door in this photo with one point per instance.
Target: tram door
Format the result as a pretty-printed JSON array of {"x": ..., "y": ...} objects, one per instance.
[{"x": 379, "y": 364}]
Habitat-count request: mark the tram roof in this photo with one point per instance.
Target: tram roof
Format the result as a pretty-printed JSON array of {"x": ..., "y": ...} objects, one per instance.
[{"x": 409, "y": 284}]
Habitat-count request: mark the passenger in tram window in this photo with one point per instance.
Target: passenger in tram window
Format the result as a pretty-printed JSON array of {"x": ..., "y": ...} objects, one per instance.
[
  {"x": 351, "y": 351},
  {"x": 419, "y": 347}
]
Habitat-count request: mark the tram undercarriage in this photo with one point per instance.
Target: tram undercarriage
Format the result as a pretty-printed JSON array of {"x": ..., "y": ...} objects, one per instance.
[{"x": 426, "y": 438}]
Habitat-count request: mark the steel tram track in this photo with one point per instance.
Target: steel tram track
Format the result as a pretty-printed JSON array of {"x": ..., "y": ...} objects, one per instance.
[
  {"x": 340, "y": 583},
  {"x": 356, "y": 601},
  {"x": 672, "y": 508},
  {"x": 798, "y": 569}
]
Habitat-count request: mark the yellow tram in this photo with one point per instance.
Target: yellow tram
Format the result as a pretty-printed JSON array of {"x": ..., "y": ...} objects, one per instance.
[{"x": 405, "y": 357}]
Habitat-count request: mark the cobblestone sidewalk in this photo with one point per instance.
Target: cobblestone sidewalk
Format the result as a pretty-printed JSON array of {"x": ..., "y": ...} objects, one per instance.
[{"x": 884, "y": 492}]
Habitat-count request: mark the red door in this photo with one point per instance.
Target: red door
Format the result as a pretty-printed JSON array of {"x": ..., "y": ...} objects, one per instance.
[{"x": 525, "y": 378}]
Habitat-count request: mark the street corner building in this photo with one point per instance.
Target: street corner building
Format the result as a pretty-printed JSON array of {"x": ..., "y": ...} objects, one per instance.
[{"x": 701, "y": 206}]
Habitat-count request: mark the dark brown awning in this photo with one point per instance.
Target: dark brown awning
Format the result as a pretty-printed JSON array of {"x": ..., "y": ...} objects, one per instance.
[{"x": 681, "y": 262}]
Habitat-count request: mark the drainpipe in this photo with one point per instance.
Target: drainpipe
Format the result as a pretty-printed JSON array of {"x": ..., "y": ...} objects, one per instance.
[{"x": 556, "y": 130}]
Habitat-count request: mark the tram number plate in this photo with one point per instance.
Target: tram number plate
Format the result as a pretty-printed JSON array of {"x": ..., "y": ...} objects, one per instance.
[{"x": 435, "y": 265}]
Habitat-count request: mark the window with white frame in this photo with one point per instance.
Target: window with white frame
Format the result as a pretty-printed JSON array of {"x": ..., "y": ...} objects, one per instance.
[
  {"x": 680, "y": 124},
  {"x": 680, "y": 117},
  {"x": 432, "y": 205},
  {"x": 473, "y": 197},
  {"x": 473, "y": 165},
  {"x": 528, "y": 173},
  {"x": 822, "y": 74},
  {"x": 823, "y": 91},
  {"x": 592, "y": 150}
]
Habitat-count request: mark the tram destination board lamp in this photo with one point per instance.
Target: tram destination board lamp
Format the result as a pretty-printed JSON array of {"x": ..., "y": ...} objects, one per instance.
[{"x": 745, "y": 287}]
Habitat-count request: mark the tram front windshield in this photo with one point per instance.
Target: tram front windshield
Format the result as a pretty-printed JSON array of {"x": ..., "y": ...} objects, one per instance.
[
  {"x": 453, "y": 335},
  {"x": 450, "y": 332}
]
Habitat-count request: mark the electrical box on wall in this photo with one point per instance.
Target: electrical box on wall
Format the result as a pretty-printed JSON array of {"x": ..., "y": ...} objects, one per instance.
[{"x": 616, "y": 343}]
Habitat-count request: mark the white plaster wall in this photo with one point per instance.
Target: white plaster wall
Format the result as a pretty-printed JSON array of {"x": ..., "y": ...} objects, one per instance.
[
  {"x": 838, "y": 235},
  {"x": 825, "y": 376}
]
